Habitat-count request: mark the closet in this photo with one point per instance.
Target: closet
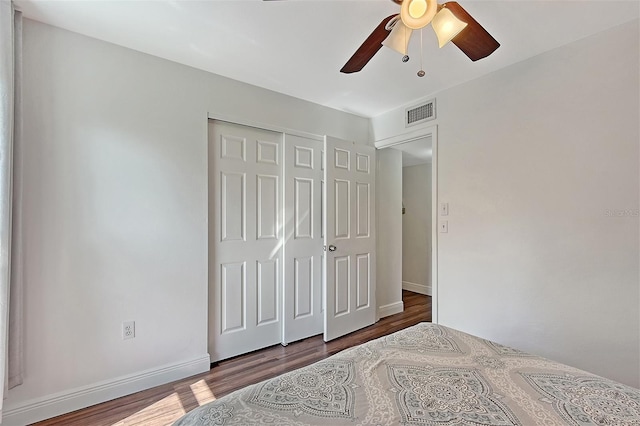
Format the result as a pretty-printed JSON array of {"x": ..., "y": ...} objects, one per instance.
[{"x": 270, "y": 218}]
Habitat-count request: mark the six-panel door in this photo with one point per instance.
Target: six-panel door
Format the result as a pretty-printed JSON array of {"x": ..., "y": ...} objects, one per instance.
[
  {"x": 303, "y": 239},
  {"x": 244, "y": 239},
  {"x": 349, "y": 237}
]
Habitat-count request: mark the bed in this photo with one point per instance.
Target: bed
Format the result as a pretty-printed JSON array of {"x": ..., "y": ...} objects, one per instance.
[{"x": 427, "y": 375}]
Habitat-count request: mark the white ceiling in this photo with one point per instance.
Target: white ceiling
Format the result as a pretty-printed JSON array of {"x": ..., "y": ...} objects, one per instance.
[{"x": 297, "y": 47}]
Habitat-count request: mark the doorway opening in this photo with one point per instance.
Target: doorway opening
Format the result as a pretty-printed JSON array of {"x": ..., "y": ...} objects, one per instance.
[
  {"x": 419, "y": 211},
  {"x": 416, "y": 215}
]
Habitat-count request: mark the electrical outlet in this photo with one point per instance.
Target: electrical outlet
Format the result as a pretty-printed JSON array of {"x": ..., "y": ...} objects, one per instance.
[{"x": 128, "y": 330}]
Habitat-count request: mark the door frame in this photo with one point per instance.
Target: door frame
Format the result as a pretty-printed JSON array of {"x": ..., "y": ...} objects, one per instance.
[{"x": 415, "y": 134}]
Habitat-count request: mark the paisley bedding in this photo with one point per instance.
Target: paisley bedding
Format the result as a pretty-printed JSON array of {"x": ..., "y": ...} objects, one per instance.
[{"x": 427, "y": 375}]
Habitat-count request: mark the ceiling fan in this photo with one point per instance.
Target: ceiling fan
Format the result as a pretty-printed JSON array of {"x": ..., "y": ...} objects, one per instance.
[{"x": 449, "y": 20}]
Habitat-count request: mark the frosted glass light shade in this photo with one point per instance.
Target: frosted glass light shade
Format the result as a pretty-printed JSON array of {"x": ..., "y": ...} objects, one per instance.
[
  {"x": 446, "y": 26},
  {"x": 416, "y": 14},
  {"x": 399, "y": 37}
]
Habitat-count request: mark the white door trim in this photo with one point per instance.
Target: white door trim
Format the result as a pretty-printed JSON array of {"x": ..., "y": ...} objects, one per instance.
[
  {"x": 412, "y": 135},
  {"x": 264, "y": 126}
]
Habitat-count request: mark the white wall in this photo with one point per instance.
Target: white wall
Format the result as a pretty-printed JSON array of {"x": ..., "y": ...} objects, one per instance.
[
  {"x": 416, "y": 228},
  {"x": 389, "y": 229},
  {"x": 115, "y": 212},
  {"x": 531, "y": 159}
]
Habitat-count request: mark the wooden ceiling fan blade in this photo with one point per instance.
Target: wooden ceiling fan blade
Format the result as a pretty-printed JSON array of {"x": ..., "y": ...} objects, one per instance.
[
  {"x": 368, "y": 49},
  {"x": 474, "y": 40}
]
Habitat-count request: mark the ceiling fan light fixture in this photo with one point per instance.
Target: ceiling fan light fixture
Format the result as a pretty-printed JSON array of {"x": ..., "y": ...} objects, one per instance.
[
  {"x": 446, "y": 26},
  {"x": 399, "y": 37},
  {"x": 452, "y": 24},
  {"x": 417, "y": 14},
  {"x": 417, "y": 8}
]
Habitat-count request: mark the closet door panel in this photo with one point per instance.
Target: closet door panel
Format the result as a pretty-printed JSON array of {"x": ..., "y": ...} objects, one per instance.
[
  {"x": 303, "y": 242},
  {"x": 303, "y": 287},
  {"x": 245, "y": 239}
]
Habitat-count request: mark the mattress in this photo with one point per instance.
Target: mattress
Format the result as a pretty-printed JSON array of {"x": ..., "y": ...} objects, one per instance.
[{"x": 428, "y": 375}]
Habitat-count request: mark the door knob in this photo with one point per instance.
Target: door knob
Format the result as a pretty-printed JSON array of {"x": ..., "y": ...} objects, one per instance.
[{"x": 332, "y": 248}]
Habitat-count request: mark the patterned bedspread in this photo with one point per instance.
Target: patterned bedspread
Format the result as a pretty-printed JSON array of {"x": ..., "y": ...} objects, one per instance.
[{"x": 428, "y": 375}]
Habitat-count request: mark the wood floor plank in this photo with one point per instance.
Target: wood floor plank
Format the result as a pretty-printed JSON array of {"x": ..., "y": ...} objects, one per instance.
[{"x": 162, "y": 405}]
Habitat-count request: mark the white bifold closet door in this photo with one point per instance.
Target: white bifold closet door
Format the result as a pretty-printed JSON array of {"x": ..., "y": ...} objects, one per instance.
[
  {"x": 303, "y": 239},
  {"x": 245, "y": 241},
  {"x": 269, "y": 279}
]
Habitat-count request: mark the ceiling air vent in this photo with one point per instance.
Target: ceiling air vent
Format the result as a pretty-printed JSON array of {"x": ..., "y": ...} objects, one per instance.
[{"x": 420, "y": 114}]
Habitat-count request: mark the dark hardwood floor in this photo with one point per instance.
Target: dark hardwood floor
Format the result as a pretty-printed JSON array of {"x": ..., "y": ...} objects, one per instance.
[{"x": 165, "y": 404}]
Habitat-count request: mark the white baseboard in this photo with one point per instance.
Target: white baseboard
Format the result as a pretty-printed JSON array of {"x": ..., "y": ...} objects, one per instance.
[
  {"x": 390, "y": 309},
  {"x": 75, "y": 399},
  {"x": 417, "y": 288}
]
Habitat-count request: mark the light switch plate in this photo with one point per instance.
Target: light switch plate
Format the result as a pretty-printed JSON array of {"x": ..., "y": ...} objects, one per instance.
[
  {"x": 444, "y": 226},
  {"x": 444, "y": 209}
]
